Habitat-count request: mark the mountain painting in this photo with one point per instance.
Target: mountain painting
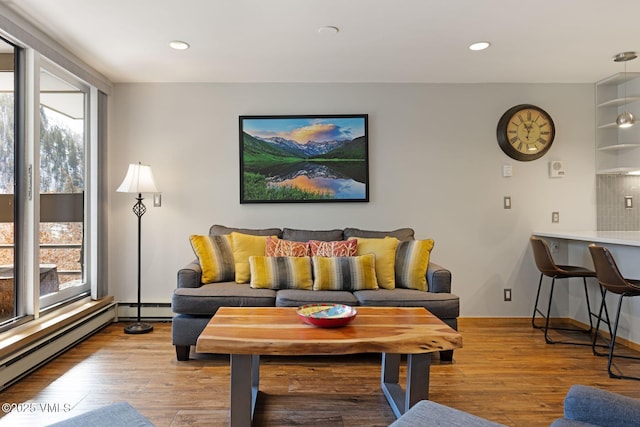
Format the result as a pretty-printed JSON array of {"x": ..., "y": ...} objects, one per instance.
[{"x": 304, "y": 159}]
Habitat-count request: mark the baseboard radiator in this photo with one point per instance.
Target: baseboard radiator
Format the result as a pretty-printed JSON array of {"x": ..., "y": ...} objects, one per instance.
[
  {"x": 148, "y": 311},
  {"x": 30, "y": 358}
]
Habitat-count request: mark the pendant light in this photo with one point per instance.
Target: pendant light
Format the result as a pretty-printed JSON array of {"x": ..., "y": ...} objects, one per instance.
[{"x": 625, "y": 119}]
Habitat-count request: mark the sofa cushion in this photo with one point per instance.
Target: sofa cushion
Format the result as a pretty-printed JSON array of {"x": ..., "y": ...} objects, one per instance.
[
  {"x": 412, "y": 260},
  {"x": 335, "y": 248},
  {"x": 429, "y": 413},
  {"x": 280, "y": 272},
  {"x": 220, "y": 230},
  {"x": 215, "y": 256},
  {"x": 244, "y": 246},
  {"x": 306, "y": 235},
  {"x": 206, "y": 299},
  {"x": 443, "y": 306},
  {"x": 298, "y": 297},
  {"x": 385, "y": 252},
  {"x": 281, "y": 247},
  {"x": 400, "y": 233},
  {"x": 344, "y": 273}
]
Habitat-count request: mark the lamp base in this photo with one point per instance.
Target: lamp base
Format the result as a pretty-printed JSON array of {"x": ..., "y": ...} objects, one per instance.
[{"x": 138, "y": 328}]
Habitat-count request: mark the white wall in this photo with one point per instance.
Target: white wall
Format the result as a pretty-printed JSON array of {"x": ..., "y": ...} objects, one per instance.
[{"x": 435, "y": 165}]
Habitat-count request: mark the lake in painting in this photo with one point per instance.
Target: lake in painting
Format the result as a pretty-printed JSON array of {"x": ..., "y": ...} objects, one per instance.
[{"x": 303, "y": 158}]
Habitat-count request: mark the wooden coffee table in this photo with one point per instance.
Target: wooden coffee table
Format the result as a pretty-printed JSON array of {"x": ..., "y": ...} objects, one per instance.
[{"x": 245, "y": 333}]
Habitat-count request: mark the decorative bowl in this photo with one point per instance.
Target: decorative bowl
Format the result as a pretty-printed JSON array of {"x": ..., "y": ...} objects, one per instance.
[{"x": 327, "y": 315}]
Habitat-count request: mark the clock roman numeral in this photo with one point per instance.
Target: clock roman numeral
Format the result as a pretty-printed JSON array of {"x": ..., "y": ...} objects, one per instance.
[
  {"x": 542, "y": 140},
  {"x": 513, "y": 140}
]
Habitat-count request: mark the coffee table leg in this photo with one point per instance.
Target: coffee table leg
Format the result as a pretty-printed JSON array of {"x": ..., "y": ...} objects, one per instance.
[
  {"x": 245, "y": 380},
  {"x": 417, "y": 387}
]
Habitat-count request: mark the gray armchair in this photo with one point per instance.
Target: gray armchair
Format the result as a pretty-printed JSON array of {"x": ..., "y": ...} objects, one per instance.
[{"x": 589, "y": 406}]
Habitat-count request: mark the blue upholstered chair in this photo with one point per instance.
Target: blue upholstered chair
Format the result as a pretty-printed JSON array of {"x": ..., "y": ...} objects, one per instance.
[{"x": 589, "y": 406}]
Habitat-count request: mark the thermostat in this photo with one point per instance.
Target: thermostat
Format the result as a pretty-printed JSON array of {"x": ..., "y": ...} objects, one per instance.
[{"x": 556, "y": 169}]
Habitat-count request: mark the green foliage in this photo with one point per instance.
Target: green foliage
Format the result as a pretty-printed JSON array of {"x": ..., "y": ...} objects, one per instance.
[
  {"x": 255, "y": 151},
  {"x": 61, "y": 152},
  {"x": 354, "y": 150},
  {"x": 256, "y": 188}
]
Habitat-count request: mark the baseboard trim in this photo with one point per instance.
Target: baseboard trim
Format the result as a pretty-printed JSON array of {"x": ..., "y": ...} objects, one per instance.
[{"x": 497, "y": 322}]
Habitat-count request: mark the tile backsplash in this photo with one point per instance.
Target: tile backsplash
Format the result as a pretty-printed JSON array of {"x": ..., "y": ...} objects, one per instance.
[{"x": 612, "y": 214}]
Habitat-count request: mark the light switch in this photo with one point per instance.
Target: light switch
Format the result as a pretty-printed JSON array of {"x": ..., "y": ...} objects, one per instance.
[
  {"x": 507, "y": 170},
  {"x": 628, "y": 202},
  {"x": 507, "y": 202}
]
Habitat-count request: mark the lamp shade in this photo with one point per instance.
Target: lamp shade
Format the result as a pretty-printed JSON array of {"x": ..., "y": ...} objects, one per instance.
[{"x": 139, "y": 179}]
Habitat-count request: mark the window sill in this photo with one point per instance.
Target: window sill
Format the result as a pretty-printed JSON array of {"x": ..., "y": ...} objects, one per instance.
[{"x": 28, "y": 333}]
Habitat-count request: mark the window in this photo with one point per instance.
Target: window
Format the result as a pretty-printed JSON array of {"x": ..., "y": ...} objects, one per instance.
[
  {"x": 62, "y": 171},
  {"x": 8, "y": 294},
  {"x": 50, "y": 124}
]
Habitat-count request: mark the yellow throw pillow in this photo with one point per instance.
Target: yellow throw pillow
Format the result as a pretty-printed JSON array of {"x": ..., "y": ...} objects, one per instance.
[
  {"x": 385, "y": 252},
  {"x": 215, "y": 256},
  {"x": 412, "y": 261},
  {"x": 244, "y": 246},
  {"x": 285, "y": 272},
  {"x": 349, "y": 273}
]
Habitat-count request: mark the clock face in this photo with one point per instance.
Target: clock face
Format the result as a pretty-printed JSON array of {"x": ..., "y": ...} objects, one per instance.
[{"x": 525, "y": 132}]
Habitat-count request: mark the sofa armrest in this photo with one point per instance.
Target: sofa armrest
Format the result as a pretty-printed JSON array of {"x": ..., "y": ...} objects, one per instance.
[
  {"x": 438, "y": 278},
  {"x": 190, "y": 276},
  {"x": 600, "y": 407}
]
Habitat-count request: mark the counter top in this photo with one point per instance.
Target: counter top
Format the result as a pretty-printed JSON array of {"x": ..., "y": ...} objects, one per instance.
[{"x": 627, "y": 238}]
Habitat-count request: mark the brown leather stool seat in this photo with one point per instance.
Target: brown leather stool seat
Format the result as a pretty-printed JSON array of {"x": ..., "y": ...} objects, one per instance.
[
  {"x": 612, "y": 281},
  {"x": 547, "y": 267}
]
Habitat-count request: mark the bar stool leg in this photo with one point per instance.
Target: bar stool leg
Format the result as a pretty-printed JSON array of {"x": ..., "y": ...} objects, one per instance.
[
  {"x": 535, "y": 307},
  {"x": 612, "y": 345}
]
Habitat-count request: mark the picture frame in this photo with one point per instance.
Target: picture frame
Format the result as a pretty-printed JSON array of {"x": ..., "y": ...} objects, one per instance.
[{"x": 304, "y": 158}]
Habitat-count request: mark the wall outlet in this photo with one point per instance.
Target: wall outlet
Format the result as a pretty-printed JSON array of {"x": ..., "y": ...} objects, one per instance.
[
  {"x": 555, "y": 217},
  {"x": 554, "y": 246},
  {"x": 507, "y": 294}
]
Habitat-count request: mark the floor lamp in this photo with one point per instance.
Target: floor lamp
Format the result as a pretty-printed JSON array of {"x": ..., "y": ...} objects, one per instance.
[{"x": 139, "y": 180}]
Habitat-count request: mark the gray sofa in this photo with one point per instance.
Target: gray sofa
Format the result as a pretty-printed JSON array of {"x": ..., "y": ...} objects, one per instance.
[{"x": 195, "y": 303}]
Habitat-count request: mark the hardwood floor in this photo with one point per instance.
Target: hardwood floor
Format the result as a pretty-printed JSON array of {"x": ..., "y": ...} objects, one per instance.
[{"x": 505, "y": 372}]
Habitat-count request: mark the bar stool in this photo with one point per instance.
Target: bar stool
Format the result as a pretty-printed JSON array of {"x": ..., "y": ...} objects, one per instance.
[
  {"x": 547, "y": 266},
  {"x": 612, "y": 281}
]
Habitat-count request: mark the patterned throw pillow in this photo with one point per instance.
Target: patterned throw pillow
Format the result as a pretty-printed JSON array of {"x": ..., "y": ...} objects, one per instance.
[
  {"x": 215, "y": 256},
  {"x": 244, "y": 246},
  {"x": 337, "y": 248},
  {"x": 344, "y": 273},
  {"x": 281, "y": 272},
  {"x": 412, "y": 261},
  {"x": 279, "y": 247},
  {"x": 385, "y": 252}
]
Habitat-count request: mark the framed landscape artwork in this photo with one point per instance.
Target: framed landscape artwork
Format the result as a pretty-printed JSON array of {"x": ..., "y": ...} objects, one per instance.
[{"x": 318, "y": 158}]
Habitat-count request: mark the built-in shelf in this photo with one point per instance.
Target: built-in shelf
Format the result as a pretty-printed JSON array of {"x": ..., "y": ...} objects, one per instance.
[
  {"x": 618, "y": 101},
  {"x": 613, "y": 147},
  {"x": 617, "y": 150},
  {"x": 616, "y": 171}
]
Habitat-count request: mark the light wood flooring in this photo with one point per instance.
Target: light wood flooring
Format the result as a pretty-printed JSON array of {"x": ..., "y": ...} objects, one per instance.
[{"x": 505, "y": 372}]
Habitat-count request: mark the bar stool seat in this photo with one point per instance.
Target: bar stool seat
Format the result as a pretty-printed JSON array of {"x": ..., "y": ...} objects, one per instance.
[
  {"x": 547, "y": 267},
  {"x": 612, "y": 281}
]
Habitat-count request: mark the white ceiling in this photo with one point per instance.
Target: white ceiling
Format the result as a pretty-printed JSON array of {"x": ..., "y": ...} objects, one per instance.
[{"x": 379, "y": 41}]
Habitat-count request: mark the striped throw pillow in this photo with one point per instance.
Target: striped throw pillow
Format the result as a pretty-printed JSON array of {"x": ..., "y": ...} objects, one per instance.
[
  {"x": 215, "y": 256},
  {"x": 412, "y": 260},
  {"x": 344, "y": 273},
  {"x": 280, "y": 272}
]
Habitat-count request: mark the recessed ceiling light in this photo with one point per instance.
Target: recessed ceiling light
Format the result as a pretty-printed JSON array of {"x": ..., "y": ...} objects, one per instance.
[
  {"x": 178, "y": 45},
  {"x": 479, "y": 45},
  {"x": 328, "y": 30}
]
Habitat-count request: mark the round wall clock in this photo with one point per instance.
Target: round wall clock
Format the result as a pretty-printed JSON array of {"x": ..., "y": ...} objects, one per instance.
[{"x": 525, "y": 132}]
